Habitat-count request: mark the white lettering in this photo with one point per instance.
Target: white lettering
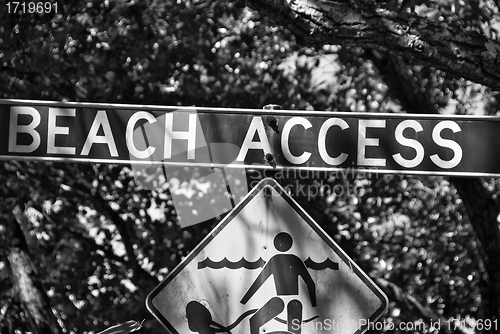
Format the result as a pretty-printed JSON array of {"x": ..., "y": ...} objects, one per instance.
[
  {"x": 129, "y": 135},
  {"x": 53, "y": 130},
  {"x": 262, "y": 144},
  {"x": 15, "y": 129},
  {"x": 322, "y": 141},
  {"x": 363, "y": 142},
  {"x": 189, "y": 135},
  {"x": 453, "y": 145},
  {"x": 286, "y": 135},
  {"x": 419, "y": 149},
  {"x": 101, "y": 120}
]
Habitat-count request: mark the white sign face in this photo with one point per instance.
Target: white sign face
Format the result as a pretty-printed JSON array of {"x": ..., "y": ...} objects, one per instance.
[{"x": 267, "y": 268}]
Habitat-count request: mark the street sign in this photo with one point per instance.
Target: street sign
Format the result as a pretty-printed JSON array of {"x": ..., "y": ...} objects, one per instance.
[
  {"x": 264, "y": 139},
  {"x": 267, "y": 268}
]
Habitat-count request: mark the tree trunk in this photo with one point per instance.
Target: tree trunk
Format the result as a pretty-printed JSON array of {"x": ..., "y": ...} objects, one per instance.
[
  {"x": 26, "y": 283},
  {"x": 483, "y": 215},
  {"x": 481, "y": 209},
  {"x": 462, "y": 52}
]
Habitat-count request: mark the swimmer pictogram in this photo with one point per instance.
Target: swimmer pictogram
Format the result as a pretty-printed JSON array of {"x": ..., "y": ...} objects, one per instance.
[
  {"x": 285, "y": 268},
  {"x": 267, "y": 268}
]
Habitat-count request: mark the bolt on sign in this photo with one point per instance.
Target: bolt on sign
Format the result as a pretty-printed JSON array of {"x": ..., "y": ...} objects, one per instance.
[
  {"x": 179, "y": 136},
  {"x": 267, "y": 268}
]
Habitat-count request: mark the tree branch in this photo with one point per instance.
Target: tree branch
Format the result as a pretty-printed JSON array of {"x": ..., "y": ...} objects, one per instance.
[
  {"x": 460, "y": 52},
  {"x": 110, "y": 255},
  {"x": 425, "y": 311},
  {"x": 102, "y": 206}
]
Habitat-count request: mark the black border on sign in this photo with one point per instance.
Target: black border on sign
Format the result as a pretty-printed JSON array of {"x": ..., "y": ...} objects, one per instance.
[
  {"x": 268, "y": 182},
  {"x": 249, "y": 111}
]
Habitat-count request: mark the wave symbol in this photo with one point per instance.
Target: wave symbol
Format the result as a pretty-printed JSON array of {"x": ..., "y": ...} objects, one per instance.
[
  {"x": 225, "y": 263},
  {"x": 321, "y": 266}
]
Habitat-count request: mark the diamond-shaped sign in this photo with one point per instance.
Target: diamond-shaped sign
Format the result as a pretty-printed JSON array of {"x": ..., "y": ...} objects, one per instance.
[{"x": 267, "y": 268}]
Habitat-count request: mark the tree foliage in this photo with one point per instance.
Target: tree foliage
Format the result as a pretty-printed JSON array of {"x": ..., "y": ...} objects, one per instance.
[{"x": 94, "y": 240}]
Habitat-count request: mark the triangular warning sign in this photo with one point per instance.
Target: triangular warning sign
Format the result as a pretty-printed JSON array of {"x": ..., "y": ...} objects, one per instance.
[{"x": 267, "y": 268}]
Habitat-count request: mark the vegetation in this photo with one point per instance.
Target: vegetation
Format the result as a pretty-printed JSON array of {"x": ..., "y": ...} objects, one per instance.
[{"x": 81, "y": 245}]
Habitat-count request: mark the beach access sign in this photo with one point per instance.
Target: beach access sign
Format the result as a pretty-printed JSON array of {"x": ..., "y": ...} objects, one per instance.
[{"x": 312, "y": 140}]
